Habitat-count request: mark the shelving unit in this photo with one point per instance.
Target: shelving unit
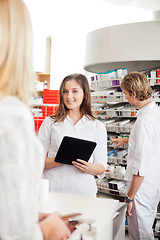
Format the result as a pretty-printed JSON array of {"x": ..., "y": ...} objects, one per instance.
[
  {"x": 44, "y": 106},
  {"x": 37, "y": 100},
  {"x": 44, "y": 77},
  {"x": 110, "y": 106}
]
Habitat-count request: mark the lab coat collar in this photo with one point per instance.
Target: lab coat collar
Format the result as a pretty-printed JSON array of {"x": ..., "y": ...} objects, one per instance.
[
  {"x": 84, "y": 119},
  {"x": 145, "y": 108}
]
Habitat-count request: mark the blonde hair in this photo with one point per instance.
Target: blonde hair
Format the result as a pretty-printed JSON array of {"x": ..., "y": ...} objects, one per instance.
[
  {"x": 138, "y": 83},
  {"x": 16, "y": 67}
]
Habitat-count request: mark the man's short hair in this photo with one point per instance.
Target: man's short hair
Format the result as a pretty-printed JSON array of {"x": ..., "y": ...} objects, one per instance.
[{"x": 138, "y": 83}]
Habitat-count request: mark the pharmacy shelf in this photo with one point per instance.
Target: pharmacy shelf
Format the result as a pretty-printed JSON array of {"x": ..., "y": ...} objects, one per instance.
[
  {"x": 121, "y": 192},
  {"x": 114, "y": 176},
  {"x": 106, "y": 93},
  {"x": 110, "y": 113},
  {"x": 103, "y": 84},
  {"x": 103, "y": 97},
  {"x": 117, "y": 160},
  {"x": 110, "y": 191},
  {"x": 112, "y": 146},
  {"x": 154, "y": 81},
  {"x": 116, "y": 128},
  {"x": 44, "y": 105}
]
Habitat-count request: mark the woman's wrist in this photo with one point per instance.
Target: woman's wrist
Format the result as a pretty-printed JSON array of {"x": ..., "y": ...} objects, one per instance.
[
  {"x": 92, "y": 169},
  {"x": 97, "y": 169}
]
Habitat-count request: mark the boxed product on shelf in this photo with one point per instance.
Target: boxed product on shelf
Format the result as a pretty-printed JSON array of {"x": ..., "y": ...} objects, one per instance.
[
  {"x": 153, "y": 74},
  {"x": 112, "y": 160},
  {"x": 122, "y": 153},
  {"x": 125, "y": 129},
  {"x": 117, "y": 172},
  {"x": 122, "y": 160},
  {"x": 120, "y": 125},
  {"x": 102, "y": 185},
  {"x": 127, "y": 111},
  {"x": 110, "y": 125},
  {"x": 116, "y": 184}
]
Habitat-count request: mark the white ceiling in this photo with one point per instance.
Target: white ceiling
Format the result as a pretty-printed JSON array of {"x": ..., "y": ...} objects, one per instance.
[{"x": 152, "y": 5}]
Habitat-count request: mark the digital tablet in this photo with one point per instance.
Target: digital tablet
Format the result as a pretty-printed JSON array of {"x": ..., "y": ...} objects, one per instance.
[{"x": 72, "y": 149}]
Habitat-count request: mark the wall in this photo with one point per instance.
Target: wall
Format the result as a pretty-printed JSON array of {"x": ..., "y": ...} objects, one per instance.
[{"x": 68, "y": 22}]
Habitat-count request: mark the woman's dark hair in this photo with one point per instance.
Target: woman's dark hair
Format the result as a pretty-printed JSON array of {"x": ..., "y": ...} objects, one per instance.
[{"x": 85, "y": 107}]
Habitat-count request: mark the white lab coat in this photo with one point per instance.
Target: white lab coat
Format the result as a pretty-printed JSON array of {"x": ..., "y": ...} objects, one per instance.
[
  {"x": 66, "y": 178},
  {"x": 144, "y": 157},
  {"x": 21, "y": 167}
]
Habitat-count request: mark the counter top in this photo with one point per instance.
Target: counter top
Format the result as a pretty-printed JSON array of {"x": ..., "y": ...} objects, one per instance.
[{"x": 100, "y": 209}]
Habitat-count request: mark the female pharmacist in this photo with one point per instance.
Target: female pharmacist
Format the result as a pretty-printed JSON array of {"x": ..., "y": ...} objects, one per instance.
[
  {"x": 74, "y": 118},
  {"x": 143, "y": 158},
  {"x": 21, "y": 156}
]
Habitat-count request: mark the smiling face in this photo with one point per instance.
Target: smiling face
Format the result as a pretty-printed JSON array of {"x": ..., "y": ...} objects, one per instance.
[{"x": 73, "y": 95}]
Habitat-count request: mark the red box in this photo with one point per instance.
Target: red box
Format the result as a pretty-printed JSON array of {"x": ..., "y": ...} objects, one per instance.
[
  {"x": 50, "y": 96},
  {"x": 158, "y": 76},
  {"x": 46, "y": 111},
  {"x": 37, "y": 123}
]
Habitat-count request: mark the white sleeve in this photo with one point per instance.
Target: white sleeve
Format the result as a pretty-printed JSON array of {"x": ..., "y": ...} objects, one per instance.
[
  {"x": 100, "y": 153},
  {"x": 19, "y": 182},
  {"x": 44, "y": 133},
  {"x": 143, "y": 148}
]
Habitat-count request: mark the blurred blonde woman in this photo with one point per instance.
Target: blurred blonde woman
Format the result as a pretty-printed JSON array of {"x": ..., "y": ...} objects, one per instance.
[{"x": 21, "y": 155}]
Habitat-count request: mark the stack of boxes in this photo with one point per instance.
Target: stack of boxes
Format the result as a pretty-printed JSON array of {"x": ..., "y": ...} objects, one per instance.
[
  {"x": 50, "y": 101},
  {"x": 50, "y": 105}
]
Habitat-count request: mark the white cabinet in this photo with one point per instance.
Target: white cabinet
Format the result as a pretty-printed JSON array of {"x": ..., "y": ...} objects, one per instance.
[{"x": 135, "y": 46}]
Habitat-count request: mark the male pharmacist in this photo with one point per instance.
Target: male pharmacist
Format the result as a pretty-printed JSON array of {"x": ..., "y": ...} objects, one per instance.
[{"x": 143, "y": 167}]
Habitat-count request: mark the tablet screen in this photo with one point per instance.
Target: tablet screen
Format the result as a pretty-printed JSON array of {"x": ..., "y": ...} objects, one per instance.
[{"x": 72, "y": 149}]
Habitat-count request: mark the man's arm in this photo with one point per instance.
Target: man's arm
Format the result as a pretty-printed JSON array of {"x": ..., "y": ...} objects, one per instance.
[{"x": 135, "y": 185}]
